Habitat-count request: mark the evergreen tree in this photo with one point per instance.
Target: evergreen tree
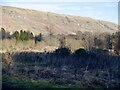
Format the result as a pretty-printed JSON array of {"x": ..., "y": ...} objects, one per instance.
[
  {"x": 29, "y": 35},
  {"x": 16, "y": 35},
  {"x": 2, "y": 33},
  {"x": 21, "y": 35}
]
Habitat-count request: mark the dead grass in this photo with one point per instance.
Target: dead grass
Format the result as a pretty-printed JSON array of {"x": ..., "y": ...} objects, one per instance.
[{"x": 45, "y": 45}]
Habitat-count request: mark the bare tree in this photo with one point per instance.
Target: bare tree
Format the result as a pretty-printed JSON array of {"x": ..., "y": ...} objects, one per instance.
[
  {"x": 50, "y": 28},
  {"x": 62, "y": 42}
]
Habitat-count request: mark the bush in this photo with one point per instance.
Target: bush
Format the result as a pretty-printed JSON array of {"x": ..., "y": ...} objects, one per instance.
[
  {"x": 38, "y": 38},
  {"x": 80, "y": 52},
  {"x": 63, "y": 52}
]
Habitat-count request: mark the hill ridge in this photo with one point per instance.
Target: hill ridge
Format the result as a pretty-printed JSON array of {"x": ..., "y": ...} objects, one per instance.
[{"x": 38, "y": 21}]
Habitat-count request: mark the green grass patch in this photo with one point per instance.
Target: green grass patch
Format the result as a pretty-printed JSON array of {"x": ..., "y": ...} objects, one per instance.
[{"x": 17, "y": 82}]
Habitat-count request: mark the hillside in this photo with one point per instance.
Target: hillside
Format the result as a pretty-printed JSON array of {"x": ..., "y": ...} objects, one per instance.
[
  {"x": 36, "y": 21},
  {"x": 66, "y": 51}
]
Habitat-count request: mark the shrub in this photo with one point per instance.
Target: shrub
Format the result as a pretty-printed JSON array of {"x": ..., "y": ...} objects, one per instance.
[
  {"x": 63, "y": 52},
  {"x": 80, "y": 52}
]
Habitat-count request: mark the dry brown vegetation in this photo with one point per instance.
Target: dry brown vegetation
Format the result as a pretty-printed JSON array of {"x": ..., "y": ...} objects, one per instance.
[{"x": 12, "y": 45}]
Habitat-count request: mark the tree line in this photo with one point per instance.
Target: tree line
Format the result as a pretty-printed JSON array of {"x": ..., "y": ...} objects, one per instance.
[
  {"x": 101, "y": 41},
  {"x": 20, "y": 36}
]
